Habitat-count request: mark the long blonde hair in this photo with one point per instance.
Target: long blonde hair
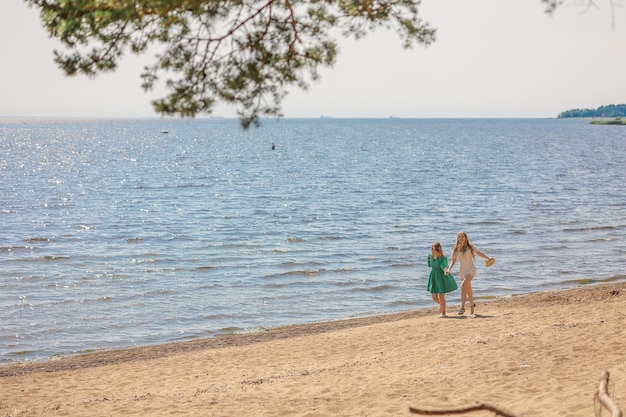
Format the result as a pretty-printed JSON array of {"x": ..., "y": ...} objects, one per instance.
[{"x": 462, "y": 248}]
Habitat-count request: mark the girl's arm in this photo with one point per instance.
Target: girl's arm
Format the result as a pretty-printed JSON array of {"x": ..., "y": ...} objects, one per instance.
[
  {"x": 479, "y": 253},
  {"x": 447, "y": 270}
]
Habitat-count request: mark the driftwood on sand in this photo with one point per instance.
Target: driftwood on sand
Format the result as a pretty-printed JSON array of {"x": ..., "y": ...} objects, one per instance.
[
  {"x": 602, "y": 395},
  {"x": 605, "y": 398}
]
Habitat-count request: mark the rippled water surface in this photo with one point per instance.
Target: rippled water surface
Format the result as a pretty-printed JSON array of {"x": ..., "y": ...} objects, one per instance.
[{"x": 116, "y": 234}]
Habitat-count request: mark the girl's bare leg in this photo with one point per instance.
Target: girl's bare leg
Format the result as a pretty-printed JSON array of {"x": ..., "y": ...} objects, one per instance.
[
  {"x": 442, "y": 303},
  {"x": 466, "y": 287},
  {"x": 466, "y": 290},
  {"x": 436, "y": 299},
  {"x": 470, "y": 294},
  {"x": 463, "y": 295}
]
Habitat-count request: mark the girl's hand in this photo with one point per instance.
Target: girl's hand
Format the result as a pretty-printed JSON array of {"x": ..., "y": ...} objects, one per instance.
[{"x": 446, "y": 271}]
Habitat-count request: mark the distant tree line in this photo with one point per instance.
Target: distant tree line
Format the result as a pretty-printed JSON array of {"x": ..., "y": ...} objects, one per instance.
[{"x": 612, "y": 110}]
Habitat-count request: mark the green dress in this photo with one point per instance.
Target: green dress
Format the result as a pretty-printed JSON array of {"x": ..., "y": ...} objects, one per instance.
[{"x": 438, "y": 281}]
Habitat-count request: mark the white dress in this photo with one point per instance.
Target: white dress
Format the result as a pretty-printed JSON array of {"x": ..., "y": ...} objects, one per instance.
[{"x": 466, "y": 264}]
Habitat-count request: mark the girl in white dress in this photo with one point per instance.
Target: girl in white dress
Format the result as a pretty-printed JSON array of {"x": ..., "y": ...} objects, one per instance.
[{"x": 465, "y": 253}]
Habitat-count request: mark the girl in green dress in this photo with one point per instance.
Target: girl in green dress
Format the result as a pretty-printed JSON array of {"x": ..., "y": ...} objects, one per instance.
[{"x": 438, "y": 282}]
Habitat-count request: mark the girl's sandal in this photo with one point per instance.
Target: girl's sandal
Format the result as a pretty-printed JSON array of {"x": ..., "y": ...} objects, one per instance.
[
  {"x": 461, "y": 311},
  {"x": 472, "y": 309}
]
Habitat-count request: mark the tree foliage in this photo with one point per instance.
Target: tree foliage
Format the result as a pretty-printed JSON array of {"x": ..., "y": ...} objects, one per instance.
[
  {"x": 612, "y": 110},
  {"x": 243, "y": 52}
]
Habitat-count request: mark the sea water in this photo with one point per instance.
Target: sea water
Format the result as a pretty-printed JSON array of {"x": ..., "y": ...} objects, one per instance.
[{"x": 120, "y": 233}]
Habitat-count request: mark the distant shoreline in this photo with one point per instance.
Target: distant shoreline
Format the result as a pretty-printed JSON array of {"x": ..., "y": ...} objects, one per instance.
[{"x": 618, "y": 121}]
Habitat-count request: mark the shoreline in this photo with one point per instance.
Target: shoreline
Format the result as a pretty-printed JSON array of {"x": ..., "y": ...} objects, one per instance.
[
  {"x": 162, "y": 350},
  {"x": 533, "y": 355}
]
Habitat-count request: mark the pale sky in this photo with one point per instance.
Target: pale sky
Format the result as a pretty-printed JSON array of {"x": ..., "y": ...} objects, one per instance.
[{"x": 492, "y": 58}]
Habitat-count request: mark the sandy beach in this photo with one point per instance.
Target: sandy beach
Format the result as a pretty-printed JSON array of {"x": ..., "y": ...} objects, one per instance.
[{"x": 534, "y": 355}]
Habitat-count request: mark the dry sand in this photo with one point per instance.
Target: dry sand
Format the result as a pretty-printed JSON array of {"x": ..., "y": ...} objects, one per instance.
[{"x": 534, "y": 355}]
